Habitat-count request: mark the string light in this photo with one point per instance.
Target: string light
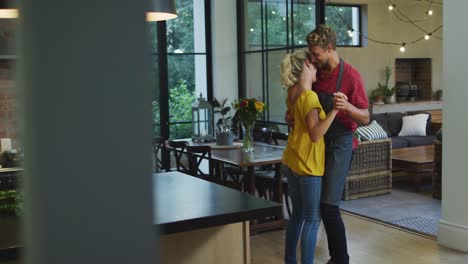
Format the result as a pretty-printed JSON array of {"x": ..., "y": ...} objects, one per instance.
[
  {"x": 402, "y": 45},
  {"x": 402, "y": 48},
  {"x": 429, "y": 10},
  {"x": 391, "y": 7}
]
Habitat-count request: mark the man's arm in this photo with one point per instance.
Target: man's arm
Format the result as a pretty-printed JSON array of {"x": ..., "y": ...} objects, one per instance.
[{"x": 360, "y": 116}]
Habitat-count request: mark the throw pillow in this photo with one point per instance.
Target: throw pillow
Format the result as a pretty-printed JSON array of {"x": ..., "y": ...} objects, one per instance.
[
  {"x": 414, "y": 125},
  {"x": 372, "y": 131}
]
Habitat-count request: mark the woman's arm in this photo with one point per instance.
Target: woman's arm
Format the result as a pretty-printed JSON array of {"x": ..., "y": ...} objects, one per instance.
[{"x": 316, "y": 127}]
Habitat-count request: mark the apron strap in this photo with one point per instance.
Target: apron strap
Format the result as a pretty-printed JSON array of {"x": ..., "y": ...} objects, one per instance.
[{"x": 340, "y": 76}]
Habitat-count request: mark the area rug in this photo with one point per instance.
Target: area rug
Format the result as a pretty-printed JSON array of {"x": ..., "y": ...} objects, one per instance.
[
  {"x": 419, "y": 224},
  {"x": 415, "y": 211}
]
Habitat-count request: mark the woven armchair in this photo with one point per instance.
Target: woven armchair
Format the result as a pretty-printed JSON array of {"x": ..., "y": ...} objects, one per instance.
[{"x": 371, "y": 170}]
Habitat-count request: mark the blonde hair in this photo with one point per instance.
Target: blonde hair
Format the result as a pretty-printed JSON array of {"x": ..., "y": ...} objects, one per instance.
[{"x": 291, "y": 67}]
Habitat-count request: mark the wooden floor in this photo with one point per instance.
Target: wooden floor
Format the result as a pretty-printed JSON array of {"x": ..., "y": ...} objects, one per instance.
[{"x": 368, "y": 242}]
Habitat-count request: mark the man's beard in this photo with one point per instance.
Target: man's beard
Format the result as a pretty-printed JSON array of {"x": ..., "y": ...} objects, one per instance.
[{"x": 324, "y": 66}]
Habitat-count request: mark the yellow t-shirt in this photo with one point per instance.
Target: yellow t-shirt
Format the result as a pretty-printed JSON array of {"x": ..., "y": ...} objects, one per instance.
[{"x": 301, "y": 155}]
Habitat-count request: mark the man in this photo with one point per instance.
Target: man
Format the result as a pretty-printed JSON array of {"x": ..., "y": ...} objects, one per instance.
[{"x": 336, "y": 77}]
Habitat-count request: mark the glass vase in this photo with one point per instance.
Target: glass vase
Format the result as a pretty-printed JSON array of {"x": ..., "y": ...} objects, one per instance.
[{"x": 247, "y": 129}]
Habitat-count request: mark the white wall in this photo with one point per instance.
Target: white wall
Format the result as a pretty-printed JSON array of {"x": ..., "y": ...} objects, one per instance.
[
  {"x": 453, "y": 228},
  {"x": 224, "y": 37},
  {"x": 370, "y": 61}
]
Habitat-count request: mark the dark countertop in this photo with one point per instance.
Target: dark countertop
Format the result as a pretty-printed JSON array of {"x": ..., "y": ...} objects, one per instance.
[{"x": 185, "y": 203}]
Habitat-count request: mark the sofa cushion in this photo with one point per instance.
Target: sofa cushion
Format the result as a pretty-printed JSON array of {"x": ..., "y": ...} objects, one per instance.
[
  {"x": 399, "y": 142},
  {"x": 371, "y": 132},
  {"x": 429, "y": 120},
  {"x": 414, "y": 125},
  {"x": 394, "y": 122},
  {"x": 382, "y": 120},
  {"x": 414, "y": 141}
]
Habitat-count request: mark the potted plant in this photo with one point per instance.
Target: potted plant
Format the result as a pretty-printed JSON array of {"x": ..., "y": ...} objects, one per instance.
[
  {"x": 384, "y": 90},
  {"x": 10, "y": 210},
  {"x": 224, "y": 135},
  {"x": 437, "y": 95},
  {"x": 378, "y": 95}
]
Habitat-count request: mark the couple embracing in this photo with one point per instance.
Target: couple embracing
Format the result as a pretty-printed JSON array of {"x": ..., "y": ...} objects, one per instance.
[{"x": 320, "y": 146}]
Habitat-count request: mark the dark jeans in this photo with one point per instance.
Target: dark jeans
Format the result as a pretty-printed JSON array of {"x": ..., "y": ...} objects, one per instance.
[{"x": 338, "y": 156}]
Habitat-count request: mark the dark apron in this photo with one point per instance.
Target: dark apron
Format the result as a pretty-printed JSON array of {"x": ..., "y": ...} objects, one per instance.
[
  {"x": 338, "y": 150},
  {"x": 326, "y": 100}
]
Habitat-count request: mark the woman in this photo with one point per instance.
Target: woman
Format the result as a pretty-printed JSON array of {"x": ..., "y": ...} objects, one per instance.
[{"x": 304, "y": 156}]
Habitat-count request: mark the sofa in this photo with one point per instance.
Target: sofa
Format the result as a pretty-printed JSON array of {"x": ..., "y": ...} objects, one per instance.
[
  {"x": 392, "y": 123},
  {"x": 371, "y": 168}
]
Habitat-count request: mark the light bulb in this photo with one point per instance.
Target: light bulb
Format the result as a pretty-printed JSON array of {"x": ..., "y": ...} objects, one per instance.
[
  {"x": 390, "y": 7},
  {"x": 429, "y": 12},
  {"x": 402, "y": 48},
  {"x": 310, "y": 8},
  {"x": 426, "y": 37},
  {"x": 284, "y": 18},
  {"x": 273, "y": 12},
  {"x": 351, "y": 33},
  {"x": 251, "y": 30}
]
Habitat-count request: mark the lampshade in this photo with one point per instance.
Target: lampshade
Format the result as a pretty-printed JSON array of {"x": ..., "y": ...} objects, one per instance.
[
  {"x": 7, "y": 10},
  {"x": 162, "y": 10}
]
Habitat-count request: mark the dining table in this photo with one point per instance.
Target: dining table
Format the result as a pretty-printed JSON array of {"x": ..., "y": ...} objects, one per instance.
[{"x": 263, "y": 154}]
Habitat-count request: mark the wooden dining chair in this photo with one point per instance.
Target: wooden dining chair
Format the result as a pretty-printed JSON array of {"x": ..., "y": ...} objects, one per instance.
[
  {"x": 265, "y": 176},
  {"x": 159, "y": 146},
  {"x": 196, "y": 156},
  {"x": 178, "y": 148},
  {"x": 231, "y": 176}
]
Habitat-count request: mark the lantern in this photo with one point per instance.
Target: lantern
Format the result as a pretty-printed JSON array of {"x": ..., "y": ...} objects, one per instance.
[{"x": 202, "y": 121}]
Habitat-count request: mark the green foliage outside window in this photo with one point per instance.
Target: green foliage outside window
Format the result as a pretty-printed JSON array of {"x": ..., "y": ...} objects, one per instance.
[
  {"x": 275, "y": 24},
  {"x": 181, "y": 70},
  {"x": 180, "y": 105},
  {"x": 340, "y": 19}
]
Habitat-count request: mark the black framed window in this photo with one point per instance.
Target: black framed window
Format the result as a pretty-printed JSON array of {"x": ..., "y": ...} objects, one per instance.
[
  {"x": 181, "y": 56},
  {"x": 345, "y": 20},
  {"x": 270, "y": 29}
]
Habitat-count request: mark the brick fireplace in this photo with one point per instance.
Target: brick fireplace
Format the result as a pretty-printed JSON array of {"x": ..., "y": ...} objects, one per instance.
[{"x": 416, "y": 73}]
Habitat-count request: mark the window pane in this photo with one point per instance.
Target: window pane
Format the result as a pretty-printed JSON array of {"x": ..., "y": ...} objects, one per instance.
[
  {"x": 343, "y": 20},
  {"x": 187, "y": 79},
  {"x": 253, "y": 70},
  {"x": 276, "y": 95},
  {"x": 186, "y": 33},
  {"x": 155, "y": 104},
  {"x": 276, "y": 24},
  {"x": 303, "y": 20},
  {"x": 253, "y": 24}
]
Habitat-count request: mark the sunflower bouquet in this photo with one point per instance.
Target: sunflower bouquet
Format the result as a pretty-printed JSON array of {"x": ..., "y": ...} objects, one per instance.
[{"x": 248, "y": 110}]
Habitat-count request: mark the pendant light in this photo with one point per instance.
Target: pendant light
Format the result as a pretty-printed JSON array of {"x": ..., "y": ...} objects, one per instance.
[
  {"x": 7, "y": 10},
  {"x": 161, "y": 10}
]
